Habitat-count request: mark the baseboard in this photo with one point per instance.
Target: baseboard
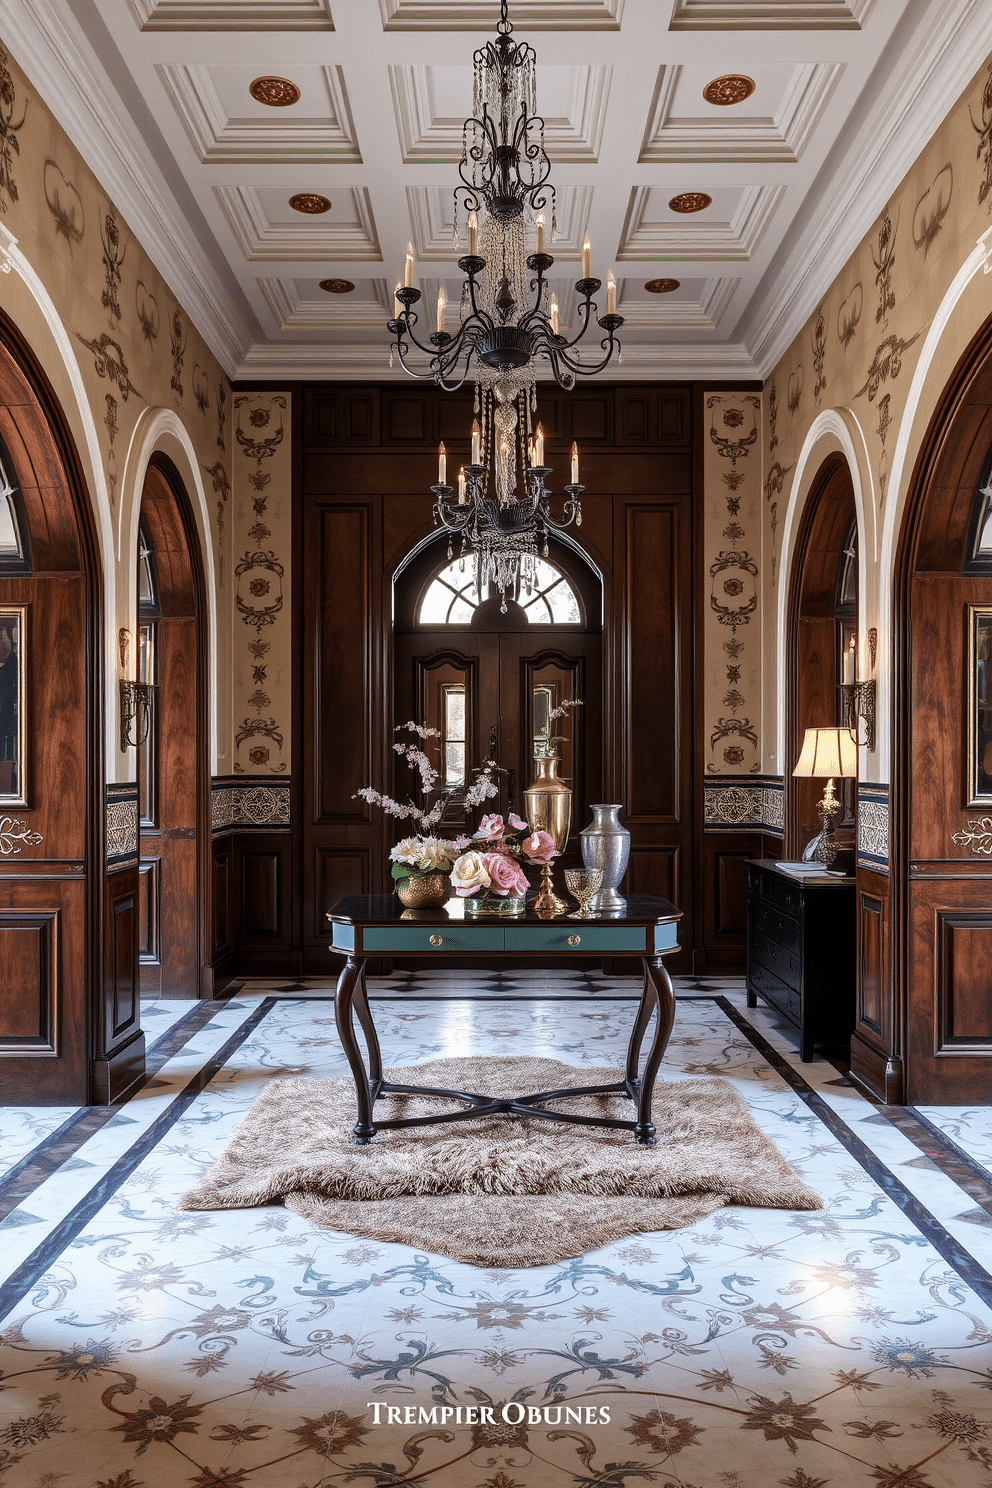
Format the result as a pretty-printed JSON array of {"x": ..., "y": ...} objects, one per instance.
[{"x": 119, "y": 1076}]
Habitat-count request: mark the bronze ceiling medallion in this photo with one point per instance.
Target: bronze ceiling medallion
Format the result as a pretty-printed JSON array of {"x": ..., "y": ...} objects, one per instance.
[
  {"x": 662, "y": 286},
  {"x": 277, "y": 92},
  {"x": 691, "y": 201},
  {"x": 309, "y": 202},
  {"x": 730, "y": 89},
  {"x": 336, "y": 286}
]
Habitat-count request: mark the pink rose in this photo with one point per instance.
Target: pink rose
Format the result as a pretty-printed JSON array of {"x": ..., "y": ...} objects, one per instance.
[
  {"x": 539, "y": 847},
  {"x": 517, "y": 823},
  {"x": 505, "y": 876},
  {"x": 491, "y": 828}
]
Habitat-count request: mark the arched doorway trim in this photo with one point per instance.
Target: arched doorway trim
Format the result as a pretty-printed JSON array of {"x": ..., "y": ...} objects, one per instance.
[
  {"x": 32, "y": 311},
  {"x": 835, "y": 431},
  {"x": 161, "y": 431}
]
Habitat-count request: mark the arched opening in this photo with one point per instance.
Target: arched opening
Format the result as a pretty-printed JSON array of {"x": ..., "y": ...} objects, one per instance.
[
  {"x": 942, "y": 775},
  {"x": 488, "y": 676},
  {"x": 823, "y": 617},
  {"x": 173, "y": 784},
  {"x": 54, "y": 1032}
]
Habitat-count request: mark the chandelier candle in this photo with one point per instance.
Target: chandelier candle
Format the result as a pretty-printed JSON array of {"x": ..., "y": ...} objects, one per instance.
[
  {"x": 476, "y": 442},
  {"x": 539, "y": 223},
  {"x": 408, "y": 279},
  {"x": 442, "y": 464},
  {"x": 611, "y": 294},
  {"x": 440, "y": 311},
  {"x": 587, "y": 258},
  {"x": 575, "y": 463}
]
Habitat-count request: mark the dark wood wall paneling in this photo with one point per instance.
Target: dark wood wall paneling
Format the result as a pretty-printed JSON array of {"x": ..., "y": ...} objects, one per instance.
[
  {"x": 369, "y": 459},
  {"x": 254, "y": 911}
]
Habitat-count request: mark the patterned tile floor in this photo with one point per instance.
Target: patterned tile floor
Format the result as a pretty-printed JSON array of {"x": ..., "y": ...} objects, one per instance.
[{"x": 145, "y": 1347}]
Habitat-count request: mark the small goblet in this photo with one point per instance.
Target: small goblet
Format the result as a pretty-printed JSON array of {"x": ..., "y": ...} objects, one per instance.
[{"x": 582, "y": 883}]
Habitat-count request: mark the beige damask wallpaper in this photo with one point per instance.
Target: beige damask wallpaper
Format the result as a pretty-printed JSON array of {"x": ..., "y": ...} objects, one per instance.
[
  {"x": 857, "y": 354},
  {"x": 133, "y": 341}
]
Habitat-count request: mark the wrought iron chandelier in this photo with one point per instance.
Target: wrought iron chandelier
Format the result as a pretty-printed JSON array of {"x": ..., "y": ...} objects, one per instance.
[
  {"x": 508, "y": 325},
  {"x": 508, "y": 318},
  {"x": 506, "y": 534}
]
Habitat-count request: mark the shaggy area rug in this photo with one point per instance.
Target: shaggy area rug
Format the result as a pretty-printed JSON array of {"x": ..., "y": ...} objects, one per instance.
[{"x": 499, "y": 1190}]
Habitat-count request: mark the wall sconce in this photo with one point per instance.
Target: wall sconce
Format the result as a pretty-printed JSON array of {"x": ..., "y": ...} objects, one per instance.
[
  {"x": 859, "y": 697},
  {"x": 136, "y": 712}
]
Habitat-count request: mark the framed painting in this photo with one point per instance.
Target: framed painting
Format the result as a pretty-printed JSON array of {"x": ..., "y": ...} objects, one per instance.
[{"x": 979, "y": 690}]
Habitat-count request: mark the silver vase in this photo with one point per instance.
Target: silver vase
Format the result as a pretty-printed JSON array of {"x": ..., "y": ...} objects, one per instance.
[{"x": 606, "y": 845}]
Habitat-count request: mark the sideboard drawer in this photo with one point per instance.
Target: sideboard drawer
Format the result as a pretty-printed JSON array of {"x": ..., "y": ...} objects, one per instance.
[
  {"x": 605, "y": 939},
  {"x": 436, "y": 939}
]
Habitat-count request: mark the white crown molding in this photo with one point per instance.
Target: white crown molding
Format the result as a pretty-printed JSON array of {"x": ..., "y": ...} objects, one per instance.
[
  {"x": 357, "y": 363},
  {"x": 692, "y": 240},
  {"x": 76, "y": 90},
  {"x": 219, "y": 139},
  {"x": 311, "y": 240},
  {"x": 426, "y": 135},
  {"x": 770, "y": 15},
  {"x": 478, "y": 15},
  {"x": 905, "y": 115},
  {"x": 740, "y": 137},
  {"x": 233, "y": 15}
]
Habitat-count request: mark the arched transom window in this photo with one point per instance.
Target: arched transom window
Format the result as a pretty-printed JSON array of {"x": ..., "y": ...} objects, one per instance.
[{"x": 451, "y": 597}]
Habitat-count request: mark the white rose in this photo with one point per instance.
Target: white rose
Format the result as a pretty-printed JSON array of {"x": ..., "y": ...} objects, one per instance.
[{"x": 469, "y": 874}]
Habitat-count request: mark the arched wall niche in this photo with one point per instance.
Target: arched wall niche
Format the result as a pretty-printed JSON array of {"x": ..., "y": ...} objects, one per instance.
[
  {"x": 160, "y": 438},
  {"x": 811, "y": 680}
]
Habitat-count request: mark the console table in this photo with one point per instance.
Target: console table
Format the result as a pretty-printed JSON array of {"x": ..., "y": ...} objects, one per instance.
[{"x": 375, "y": 925}]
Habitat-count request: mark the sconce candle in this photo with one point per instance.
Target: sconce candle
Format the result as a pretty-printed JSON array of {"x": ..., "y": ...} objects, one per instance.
[{"x": 848, "y": 664}]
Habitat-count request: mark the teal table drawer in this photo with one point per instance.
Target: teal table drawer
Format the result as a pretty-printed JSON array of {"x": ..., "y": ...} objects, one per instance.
[
  {"x": 438, "y": 939},
  {"x": 605, "y": 939},
  {"x": 666, "y": 937}
]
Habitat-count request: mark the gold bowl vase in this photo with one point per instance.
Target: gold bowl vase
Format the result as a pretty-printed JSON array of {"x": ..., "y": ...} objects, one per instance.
[{"x": 424, "y": 890}]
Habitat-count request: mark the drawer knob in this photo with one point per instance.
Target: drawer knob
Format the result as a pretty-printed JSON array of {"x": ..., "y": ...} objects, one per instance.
[
  {"x": 575, "y": 940},
  {"x": 437, "y": 940}
]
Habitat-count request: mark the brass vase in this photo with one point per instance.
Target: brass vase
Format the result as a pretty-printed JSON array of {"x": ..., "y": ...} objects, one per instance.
[{"x": 548, "y": 804}]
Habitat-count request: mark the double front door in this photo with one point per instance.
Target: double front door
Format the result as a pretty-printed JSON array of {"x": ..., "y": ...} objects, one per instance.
[{"x": 493, "y": 695}]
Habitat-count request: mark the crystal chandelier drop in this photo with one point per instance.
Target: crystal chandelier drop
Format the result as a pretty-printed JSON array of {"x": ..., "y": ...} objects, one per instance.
[
  {"x": 507, "y": 316},
  {"x": 504, "y": 534}
]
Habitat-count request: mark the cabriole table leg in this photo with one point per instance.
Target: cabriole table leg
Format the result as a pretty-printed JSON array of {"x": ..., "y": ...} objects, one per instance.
[
  {"x": 352, "y": 977},
  {"x": 659, "y": 983}
]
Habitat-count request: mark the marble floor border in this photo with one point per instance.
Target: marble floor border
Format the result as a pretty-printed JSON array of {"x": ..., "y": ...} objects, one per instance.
[
  {"x": 62, "y": 1144},
  {"x": 954, "y": 1253},
  {"x": 24, "y": 1277}
]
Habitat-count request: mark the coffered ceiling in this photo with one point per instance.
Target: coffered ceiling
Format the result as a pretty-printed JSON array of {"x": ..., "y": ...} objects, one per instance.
[{"x": 156, "y": 95}]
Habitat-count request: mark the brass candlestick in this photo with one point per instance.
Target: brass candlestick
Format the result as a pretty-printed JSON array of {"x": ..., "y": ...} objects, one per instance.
[{"x": 547, "y": 904}]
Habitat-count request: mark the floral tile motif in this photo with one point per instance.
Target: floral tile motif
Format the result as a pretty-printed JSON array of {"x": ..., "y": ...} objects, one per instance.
[{"x": 157, "y": 1348}]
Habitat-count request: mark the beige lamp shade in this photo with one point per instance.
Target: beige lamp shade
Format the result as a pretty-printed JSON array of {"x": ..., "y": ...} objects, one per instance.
[{"x": 828, "y": 753}]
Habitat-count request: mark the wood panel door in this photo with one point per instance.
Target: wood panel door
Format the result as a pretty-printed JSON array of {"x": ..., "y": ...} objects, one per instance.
[{"x": 504, "y": 684}]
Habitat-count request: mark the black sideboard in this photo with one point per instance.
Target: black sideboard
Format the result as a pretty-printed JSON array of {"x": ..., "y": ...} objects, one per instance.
[{"x": 801, "y": 951}]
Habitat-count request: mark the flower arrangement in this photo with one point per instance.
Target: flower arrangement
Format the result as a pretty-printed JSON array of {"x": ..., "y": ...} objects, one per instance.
[
  {"x": 548, "y": 747},
  {"x": 425, "y": 853},
  {"x": 489, "y": 877}
]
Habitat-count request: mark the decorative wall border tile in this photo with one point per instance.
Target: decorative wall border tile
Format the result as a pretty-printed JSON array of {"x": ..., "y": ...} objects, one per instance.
[
  {"x": 743, "y": 804},
  {"x": 122, "y": 824},
  {"x": 241, "y": 806},
  {"x": 873, "y": 826}
]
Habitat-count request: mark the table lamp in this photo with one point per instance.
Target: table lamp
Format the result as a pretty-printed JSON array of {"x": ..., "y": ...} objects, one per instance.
[{"x": 827, "y": 753}]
